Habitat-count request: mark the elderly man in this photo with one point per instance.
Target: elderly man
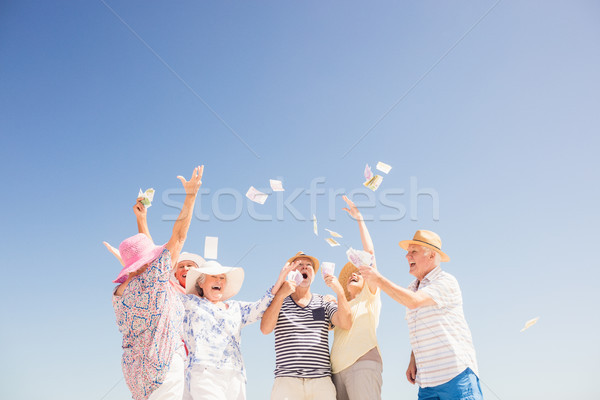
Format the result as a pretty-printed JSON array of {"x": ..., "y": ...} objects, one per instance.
[
  {"x": 301, "y": 321},
  {"x": 442, "y": 361}
]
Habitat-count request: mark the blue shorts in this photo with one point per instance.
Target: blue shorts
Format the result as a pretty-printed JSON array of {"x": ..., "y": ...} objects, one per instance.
[{"x": 464, "y": 386}]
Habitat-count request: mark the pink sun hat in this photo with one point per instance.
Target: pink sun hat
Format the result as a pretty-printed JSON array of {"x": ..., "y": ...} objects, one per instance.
[{"x": 136, "y": 251}]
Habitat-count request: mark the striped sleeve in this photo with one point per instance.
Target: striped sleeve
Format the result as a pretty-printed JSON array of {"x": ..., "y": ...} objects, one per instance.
[{"x": 445, "y": 291}]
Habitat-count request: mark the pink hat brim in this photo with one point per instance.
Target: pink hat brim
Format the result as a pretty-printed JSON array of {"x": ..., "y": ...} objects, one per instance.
[{"x": 150, "y": 256}]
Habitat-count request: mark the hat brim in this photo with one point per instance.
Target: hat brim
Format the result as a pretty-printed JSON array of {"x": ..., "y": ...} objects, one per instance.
[
  {"x": 235, "y": 279},
  {"x": 315, "y": 262},
  {"x": 147, "y": 259},
  {"x": 345, "y": 273},
  {"x": 405, "y": 243}
]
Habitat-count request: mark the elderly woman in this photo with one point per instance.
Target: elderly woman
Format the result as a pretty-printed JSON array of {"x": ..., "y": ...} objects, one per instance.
[
  {"x": 212, "y": 329},
  {"x": 355, "y": 357},
  {"x": 148, "y": 310}
]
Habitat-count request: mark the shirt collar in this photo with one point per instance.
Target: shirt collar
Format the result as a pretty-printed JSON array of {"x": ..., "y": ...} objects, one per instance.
[{"x": 432, "y": 274}]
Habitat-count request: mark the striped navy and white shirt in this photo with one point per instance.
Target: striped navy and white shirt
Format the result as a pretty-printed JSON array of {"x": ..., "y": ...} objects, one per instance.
[
  {"x": 439, "y": 334},
  {"x": 302, "y": 338}
]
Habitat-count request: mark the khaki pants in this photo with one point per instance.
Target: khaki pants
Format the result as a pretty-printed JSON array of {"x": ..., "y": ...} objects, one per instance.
[
  {"x": 303, "y": 389},
  {"x": 360, "y": 381}
]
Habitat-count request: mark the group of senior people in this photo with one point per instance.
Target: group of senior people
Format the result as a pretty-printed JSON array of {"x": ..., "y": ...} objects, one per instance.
[{"x": 182, "y": 331}]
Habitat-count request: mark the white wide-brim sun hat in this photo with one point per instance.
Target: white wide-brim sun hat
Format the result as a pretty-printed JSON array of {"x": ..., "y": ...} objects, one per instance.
[{"x": 235, "y": 278}]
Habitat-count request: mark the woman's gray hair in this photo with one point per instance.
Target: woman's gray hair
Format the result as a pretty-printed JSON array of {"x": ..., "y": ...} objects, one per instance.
[{"x": 199, "y": 282}]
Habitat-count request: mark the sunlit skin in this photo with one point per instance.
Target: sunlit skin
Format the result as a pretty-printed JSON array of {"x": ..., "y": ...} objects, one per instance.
[
  {"x": 355, "y": 284},
  {"x": 213, "y": 287},
  {"x": 182, "y": 269},
  {"x": 305, "y": 267},
  {"x": 420, "y": 264}
]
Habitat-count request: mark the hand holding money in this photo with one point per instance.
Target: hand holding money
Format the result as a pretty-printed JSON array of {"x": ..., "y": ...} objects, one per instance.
[
  {"x": 139, "y": 209},
  {"x": 287, "y": 288}
]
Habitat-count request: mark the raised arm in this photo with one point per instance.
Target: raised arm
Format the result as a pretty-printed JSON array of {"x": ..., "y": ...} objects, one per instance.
[
  {"x": 343, "y": 316},
  {"x": 182, "y": 224},
  {"x": 364, "y": 232},
  {"x": 281, "y": 290},
  {"x": 365, "y": 237},
  {"x": 141, "y": 212},
  {"x": 403, "y": 296}
]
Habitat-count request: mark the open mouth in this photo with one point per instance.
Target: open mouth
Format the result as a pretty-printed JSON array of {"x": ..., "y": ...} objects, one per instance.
[
  {"x": 412, "y": 264},
  {"x": 216, "y": 287},
  {"x": 354, "y": 279},
  {"x": 304, "y": 276}
]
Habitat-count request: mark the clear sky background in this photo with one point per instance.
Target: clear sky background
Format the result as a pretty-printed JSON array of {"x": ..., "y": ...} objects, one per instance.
[{"x": 487, "y": 111}]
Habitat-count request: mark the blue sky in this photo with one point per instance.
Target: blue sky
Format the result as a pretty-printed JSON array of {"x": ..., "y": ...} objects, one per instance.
[{"x": 488, "y": 113}]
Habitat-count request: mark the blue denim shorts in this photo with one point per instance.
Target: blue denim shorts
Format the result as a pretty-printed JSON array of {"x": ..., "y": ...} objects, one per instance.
[{"x": 464, "y": 386}]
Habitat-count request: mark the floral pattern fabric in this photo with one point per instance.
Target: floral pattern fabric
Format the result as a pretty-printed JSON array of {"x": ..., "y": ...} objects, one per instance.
[
  {"x": 213, "y": 334},
  {"x": 150, "y": 316}
]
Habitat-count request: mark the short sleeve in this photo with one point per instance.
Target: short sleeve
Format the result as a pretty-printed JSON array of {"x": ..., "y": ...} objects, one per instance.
[
  {"x": 252, "y": 312},
  {"x": 445, "y": 291},
  {"x": 330, "y": 309}
]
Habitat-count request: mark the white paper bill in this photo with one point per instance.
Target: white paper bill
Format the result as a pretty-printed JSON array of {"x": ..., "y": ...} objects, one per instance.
[
  {"x": 530, "y": 323},
  {"x": 276, "y": 186},
  {"x": 332, "y": 242},
  {"x": 147, "y": 197},
  {"x": 256, "y": 195},
  {"x": 315, "y": 229},
  {"x": 327, "y": 268},
  {"x": 295, "y": 276},
  {"x": 360, "y": 257},
  {"x": 368, "y": 172},
  {"x": 114, "y": 252},
  {"x": 374, "y": 182},
  {"x": 383, "y": 167},
  {"x": 211, "y": 245},
  {"x": 334, "y": 234}
]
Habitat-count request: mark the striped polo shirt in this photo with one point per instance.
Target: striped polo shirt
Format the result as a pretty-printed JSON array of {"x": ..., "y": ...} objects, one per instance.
[
  {"x": 439, "y": 335},
  {"x": 302, "y": 338}
]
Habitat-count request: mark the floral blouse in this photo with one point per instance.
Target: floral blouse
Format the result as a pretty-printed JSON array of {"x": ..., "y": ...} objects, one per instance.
[
  {"x": 213, "y": 334},
  {"x": 149, "y": 315}
]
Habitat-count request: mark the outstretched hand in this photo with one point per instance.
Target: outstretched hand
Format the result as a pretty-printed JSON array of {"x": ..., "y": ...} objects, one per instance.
[
  {"x": 352, "y": 210},
  {"x": 193, "y": 185}
]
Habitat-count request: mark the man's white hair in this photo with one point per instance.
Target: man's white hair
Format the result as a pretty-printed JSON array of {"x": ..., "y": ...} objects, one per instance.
[{"x": 437, "y": 260}]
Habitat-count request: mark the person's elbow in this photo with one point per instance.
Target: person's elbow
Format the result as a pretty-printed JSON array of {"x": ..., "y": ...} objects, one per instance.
[
  {"x": 345, "y": 322},
  {"x": 265, "y": 328}
]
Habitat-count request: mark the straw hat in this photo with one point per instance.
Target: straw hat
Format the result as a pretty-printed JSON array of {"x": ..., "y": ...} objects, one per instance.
[
  {"x": 345, "y": 273},
  {"x": 235, "y": 278},
  {"x": 300, "y": 254},
  {"x": 136, "y": 251},
  {"x": 427, "y": 239}
]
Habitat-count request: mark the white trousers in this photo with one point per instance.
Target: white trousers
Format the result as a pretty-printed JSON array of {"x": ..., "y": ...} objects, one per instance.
[
  {"x": 207, "y": 383},
  {"x": 172, "y": 387}
]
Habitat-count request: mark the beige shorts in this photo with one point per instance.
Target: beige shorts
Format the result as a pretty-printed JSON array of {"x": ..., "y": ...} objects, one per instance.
[{"x": 286, "y": 388}]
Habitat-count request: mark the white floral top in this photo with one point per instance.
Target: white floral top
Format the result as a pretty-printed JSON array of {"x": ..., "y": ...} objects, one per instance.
[{"x": 213, "y": 334}]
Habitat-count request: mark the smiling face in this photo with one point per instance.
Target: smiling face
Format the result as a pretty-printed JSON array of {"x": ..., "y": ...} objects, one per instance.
[
  {"x": 355, "y": 284},
  {"x": 182, "y": 269},
  {"x": 213, "y": 287},
  {"x": 420, "y": 260},
  {"x": 305, "y": 267}
]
